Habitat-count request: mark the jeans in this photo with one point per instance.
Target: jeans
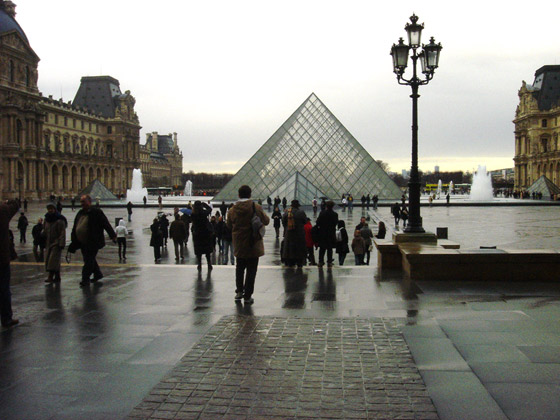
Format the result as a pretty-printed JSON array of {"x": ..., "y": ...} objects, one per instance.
[
  {"x": 157, "y": 252},
  {"x": 90, "y": 264},
  {"x": 246, "y": 283},
  {"x": 179, "y": 248},
  {"x": 228, "y": 250},
  {"x": 122, "y": 247},
  {"x": 322, "y": 255},
  {"x": 39, "y": 253},
  {"x": 5, "y": 294}
]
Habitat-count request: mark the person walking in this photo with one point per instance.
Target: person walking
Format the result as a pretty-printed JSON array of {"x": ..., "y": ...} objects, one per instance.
[
  {"x": 404, "y": 215},
  {"x": 178, "y": 233},
  {"x": 368, "y": 201},
  {"x": 160, "y": 202},
  {"x": 223, "y": 209},
  {"x": 156, "y": 239},
  {"x": 326, "y": 223},
  {"x": 25, "y": 203},
  {"x": 87, "y": 235},
  {"x": 314, "y": 203},
  {"x": 228, "y": 246},
  {"x": 203, "y": 234},
  {"x": 367, "y": 234},
  {"x": 22, "y": 227},
  {"x": 73, "y": 203},
  {"x": 55, "y": 241},
  {"x": 269, "y": 202},
  {"x": 396, "y": 212},
  {"x": 277, "y": 218},
  {"x": 358, "y": 246},
  {"x": 341, "y": 242},
  {"x": 246, "y": 247},
  {"x": 164, "y": 226},
  {"x": 309, "y": 243},
  {"x": 129, "y": 206},
  {"x": 38, "y": 241},
  {"x": 294, "y": 250},
  {"x": 145, "y": 200},
  {"x": 121, "y": 231},
  {"x": 375, "y": 201},
  {"x": 284, "y": 203},
  {"x": 219, "y": 229},
  {"x": 7, "y": 254}
]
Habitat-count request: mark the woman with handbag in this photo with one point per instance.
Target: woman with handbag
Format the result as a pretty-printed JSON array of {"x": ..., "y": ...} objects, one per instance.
[
  {"x": 367, "y": 234},
  {"x": 55, "y": 241}
]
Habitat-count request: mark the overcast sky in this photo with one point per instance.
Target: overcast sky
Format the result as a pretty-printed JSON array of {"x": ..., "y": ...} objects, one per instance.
[{"x": 226, "y": 74}]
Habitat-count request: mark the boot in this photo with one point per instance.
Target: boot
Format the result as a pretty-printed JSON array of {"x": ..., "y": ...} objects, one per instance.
[
  {"x": 56, "y": 277},
  {"x": 50, "y": 278}
]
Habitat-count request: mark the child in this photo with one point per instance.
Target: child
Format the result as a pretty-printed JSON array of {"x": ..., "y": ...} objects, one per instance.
[
  {"x": 341, "y": 242},
  {"x": 121, "y": 239},
  {"x": 309, "y": 243},
  {"x": 359, "y": 247}
]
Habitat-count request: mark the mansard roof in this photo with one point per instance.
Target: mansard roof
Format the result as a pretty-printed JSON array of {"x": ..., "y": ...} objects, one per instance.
[
  {"x": 8, "y": 23},
  {"x": 546, "y": 87},
  {"x": 98, "y": 94}
]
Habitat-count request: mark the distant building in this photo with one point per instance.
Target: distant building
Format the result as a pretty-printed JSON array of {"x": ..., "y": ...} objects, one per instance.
[
  {"x": 506, "y": 175},
  {"x": 436, "y": 169},
  {"x": 537, "y": 118},
  {"x": 405, "y": 173},
  {"x": 161, "y": 160}
]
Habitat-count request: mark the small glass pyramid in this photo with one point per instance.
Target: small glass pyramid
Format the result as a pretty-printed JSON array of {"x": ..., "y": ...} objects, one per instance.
[
  {"x": 314, "y": 143},
  {"x": 544, "y": 186}
]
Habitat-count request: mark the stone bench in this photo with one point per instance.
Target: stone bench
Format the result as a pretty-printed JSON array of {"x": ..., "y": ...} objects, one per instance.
[
  {"x": 388, "y": 254},
  {"x": 429, "y": 262}
]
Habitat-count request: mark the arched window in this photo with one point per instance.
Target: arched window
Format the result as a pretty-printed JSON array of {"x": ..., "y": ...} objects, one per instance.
[{"x": 19, "y": 132}]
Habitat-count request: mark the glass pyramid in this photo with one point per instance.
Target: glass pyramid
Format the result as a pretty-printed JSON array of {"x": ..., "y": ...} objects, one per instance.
[
  {"x": 544, "y": 186},
  {"x": 297, "y": 187},
  {"x": 314, "y": 143}
]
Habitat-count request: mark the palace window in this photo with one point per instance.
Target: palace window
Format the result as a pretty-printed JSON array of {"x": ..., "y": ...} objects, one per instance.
[
  {"x": 83, "y": 125},
  {"x": 56, "y": 119},
  {"x": 65, "y": 121},
  {"x": 109, "y": 129},
  {"x": 12, "y": 71},
  {"x": 544, "y": 123},
  {"x": 27, "y": 76}
]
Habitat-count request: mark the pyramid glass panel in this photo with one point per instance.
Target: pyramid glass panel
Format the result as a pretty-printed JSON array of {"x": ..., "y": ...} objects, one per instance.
[
  {"x": 298, "y": 187},
  {"x": 312, "y": 152}
]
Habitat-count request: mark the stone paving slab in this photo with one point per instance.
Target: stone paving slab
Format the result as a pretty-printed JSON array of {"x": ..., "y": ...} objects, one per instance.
[{"x": 293, "y": 368}]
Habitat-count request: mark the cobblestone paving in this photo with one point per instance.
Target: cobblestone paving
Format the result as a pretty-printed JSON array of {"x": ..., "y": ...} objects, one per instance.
[{"x": 293, "y": 368}]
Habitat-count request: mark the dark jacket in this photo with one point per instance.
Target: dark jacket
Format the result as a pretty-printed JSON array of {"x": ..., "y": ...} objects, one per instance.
[
  {"x": 239, "y": 221},
  {"x": 37, "y": 233},
  {"x": 22, "y": 223},
  {"x": 294, "y": 239},
  {"x": 277, "y": 217},
  {"x": 327, "y": 222},
  {"x": 202, "y": 230},
  {"x": 157, "y": 237},
  {"x": 178, "y": 231},
  {"x": 97, "y": 223},
  {"x": 342, "y": 245},
  {"x": 7, "y": 211}
]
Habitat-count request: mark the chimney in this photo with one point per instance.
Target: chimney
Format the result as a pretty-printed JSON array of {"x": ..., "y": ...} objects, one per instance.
[
  {"x": 155, "y": 147},
  {"x": 175, "y": 146}
]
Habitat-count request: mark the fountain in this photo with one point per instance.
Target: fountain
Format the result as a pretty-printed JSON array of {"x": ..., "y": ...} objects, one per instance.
[
  {"x": 439, "y": 188},
  {"x": 188, "y": 189},
  {"x": 137, "y": 193},
  {"x": 450, "y": 189},
  {"x": 481, "y": 188}
]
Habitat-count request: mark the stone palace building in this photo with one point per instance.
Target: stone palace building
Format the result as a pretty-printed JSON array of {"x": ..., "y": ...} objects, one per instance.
[
  {"x": 48, "y": 146},
  {"x": 537, "y": 119}
]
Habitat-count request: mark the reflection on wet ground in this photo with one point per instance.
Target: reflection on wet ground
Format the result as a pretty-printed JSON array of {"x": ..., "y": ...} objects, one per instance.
[{"x": 484, "y": 350}]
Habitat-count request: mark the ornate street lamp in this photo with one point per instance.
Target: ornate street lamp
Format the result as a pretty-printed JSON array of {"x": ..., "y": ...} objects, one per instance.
[{"x": 429, "y": 61}]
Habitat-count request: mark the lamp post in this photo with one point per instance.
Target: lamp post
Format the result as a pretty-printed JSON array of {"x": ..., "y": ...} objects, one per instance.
[{"x": 429, "y": 60}]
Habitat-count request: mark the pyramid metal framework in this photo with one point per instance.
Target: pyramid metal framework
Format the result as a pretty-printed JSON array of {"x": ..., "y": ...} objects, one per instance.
[
  {"x": 314, "y": 143},
  {"x": 297, "y": 187}
]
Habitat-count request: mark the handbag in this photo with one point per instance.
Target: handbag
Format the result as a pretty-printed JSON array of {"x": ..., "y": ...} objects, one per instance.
[{"x": 257, "y": 225}]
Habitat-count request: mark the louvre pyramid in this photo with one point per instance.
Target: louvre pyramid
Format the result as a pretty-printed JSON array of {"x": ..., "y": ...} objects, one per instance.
[
  {"x": 96, "y": 189},
  {"x": 314, "y": 143},
  {"x": 297, "y": 187},
  {"x": 544, "y": 186}
]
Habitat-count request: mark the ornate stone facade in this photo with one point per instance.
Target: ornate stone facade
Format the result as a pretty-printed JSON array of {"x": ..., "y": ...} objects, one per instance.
[
  {"x": 161, "y": 160},
  {"x": 49, "y": 146},
  {"x": 537, "y": 147}
]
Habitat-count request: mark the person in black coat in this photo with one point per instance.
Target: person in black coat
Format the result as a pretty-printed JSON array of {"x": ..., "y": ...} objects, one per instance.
[
  {"x": 277, "y": 217},
  {"x": 156, "y": 240},
  {"x": 326, "y": 223},
  {"x": 342, "y": 248},
  {"x": 294, "y": 251},
  {"x": 22, "y": 227},
  {"x": 87, "y": 235},
  {"x": 39, "y": 241},
  {"x": 203, "y": 234},
  {"x": 164, "y": 226}
]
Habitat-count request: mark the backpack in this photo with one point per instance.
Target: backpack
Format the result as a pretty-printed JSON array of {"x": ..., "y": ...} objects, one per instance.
[{"x": 257, "y": 225}]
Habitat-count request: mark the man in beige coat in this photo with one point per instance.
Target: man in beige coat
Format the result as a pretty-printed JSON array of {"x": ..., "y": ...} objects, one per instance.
[{"x": 246, "y": 249}]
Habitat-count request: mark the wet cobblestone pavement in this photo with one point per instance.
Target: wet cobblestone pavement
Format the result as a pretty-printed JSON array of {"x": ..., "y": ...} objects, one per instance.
[
  {"x": 123, "y": 347},
  {"x": 288, "y": 368}
]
